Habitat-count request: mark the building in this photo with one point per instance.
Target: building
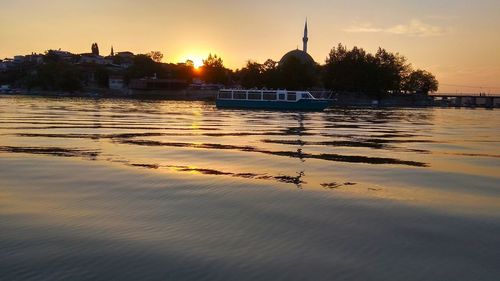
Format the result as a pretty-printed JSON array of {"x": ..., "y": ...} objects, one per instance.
[
  {"x": 125, "y": 55},
  {"x": 147, "y": 84},
  {"x": 94, "y": 59},
  {"x": 116, "y": 82},
  {"x": 34, "y": 58},
  {"x": 63, "y": 55},
  {"x": 19, "y": 59},
  {"x": 198, "y": 84},
  {"x": 3, "y": 65},
  {"x": 300, "y": 55},
  {"x": 7, "y": 64},
  {"x": 125, "y": 59}
]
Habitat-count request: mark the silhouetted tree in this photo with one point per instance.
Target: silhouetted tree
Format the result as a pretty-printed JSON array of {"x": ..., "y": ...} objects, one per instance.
[
  {"x": 213, "y": 61},
  {"x": 291, "y": 74},
  {"x": 421, "y": 81},
  {"x": 56, "y": 75},
  {"x": 349, "y": 70},
  {"x": 184, "y": 71},
  {"x": 391, "y": 70},
  {"x": 190, "y": 63},
  {"x": 213, "y": 70},
  {"x": 144, "y": 66},
  {"x": 270, "y": 74},
  {"x": 156, "y": 56},
  {"x": 95, "y": 49},
  {"x": 356, "y": 70},
  {"x": 251, "y": 76}
]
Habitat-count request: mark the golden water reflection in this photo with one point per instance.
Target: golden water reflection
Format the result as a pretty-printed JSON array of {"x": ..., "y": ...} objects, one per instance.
[{"x": 420, "y": 155}]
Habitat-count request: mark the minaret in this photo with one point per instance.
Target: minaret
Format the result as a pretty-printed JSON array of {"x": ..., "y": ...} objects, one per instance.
[
  {"x": 305, "y": 39},
  {"x": 112, "y": 51}
]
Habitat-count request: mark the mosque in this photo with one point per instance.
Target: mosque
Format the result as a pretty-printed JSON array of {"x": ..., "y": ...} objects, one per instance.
[{"x": 300, "y": 55}]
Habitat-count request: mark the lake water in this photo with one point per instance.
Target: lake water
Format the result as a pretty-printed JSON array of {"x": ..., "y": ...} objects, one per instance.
[{"x": 166, "y": 190}]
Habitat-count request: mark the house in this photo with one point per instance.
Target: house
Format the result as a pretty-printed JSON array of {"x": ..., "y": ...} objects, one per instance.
[
  {"x": 34, "y": 58},
  {"x": 125, "y": 55},
  {"x": 3, "y": 65},
  {"x": 125, "y": 59},
  {"x": 116, "y": 82},
  {"x": 63, "y": 55},
  {"x": 94, "y": 59},
  {"x": 6, "y": 64},
  {"x": 19, "y": 59}
]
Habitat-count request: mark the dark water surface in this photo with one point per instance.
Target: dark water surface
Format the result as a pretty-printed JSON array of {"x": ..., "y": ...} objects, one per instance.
[{"x": 137, "y": 190}]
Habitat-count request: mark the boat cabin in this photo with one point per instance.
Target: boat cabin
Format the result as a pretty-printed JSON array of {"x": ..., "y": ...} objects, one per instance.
[{"x": 264, "y": 95}]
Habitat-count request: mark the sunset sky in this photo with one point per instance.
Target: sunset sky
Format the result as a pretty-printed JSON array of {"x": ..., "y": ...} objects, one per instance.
[{"x": 457, "y": 40}]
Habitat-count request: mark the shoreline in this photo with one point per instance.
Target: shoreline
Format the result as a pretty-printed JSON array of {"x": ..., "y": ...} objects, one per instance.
[{"x": 354, "y": 100}]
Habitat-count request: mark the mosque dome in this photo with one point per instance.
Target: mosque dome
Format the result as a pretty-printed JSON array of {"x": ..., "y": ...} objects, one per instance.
[{"x": 300, "y": 55}]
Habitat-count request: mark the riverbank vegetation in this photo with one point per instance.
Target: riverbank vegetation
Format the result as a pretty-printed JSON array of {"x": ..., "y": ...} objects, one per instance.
[{"x": 344, "y": 70}]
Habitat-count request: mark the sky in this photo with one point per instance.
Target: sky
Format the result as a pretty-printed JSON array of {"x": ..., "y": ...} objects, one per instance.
[{"x": 457, "y": 40}]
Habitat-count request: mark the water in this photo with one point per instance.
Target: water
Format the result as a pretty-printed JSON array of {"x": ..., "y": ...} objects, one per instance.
[{"x": 138, "y": 190}]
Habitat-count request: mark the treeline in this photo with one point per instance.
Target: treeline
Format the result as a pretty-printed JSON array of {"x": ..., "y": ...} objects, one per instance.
[
  {"x": 291, "y": 74},
  {"x": 149, "y": 65},
  {"x": 66, "y": 74},
  {"x": 356, "y": 70},
  {"x": 345, "y": 70},
  {"x": 54, "y": 74}
]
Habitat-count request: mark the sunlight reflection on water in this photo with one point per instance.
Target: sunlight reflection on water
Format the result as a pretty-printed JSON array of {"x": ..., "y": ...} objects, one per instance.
[{"x": 186, "y": 191}]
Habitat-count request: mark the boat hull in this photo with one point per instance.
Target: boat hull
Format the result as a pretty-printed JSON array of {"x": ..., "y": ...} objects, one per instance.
[{"x": 301, "y": 105}]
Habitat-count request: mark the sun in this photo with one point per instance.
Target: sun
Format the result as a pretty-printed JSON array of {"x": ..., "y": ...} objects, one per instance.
[
  {"x": 197, "y": 62},
  {"x": 196, "y": 59}
]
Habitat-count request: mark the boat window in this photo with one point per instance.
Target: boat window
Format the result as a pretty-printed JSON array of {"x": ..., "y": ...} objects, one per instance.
[
  {"x": 306, "y": 96},
  {"x": 291, "y": 96},
  {"x": 282, "y": 96},
  {"x": 240, "y": 96},
  {"x": 225, "y": 95},
  {"x": 254, "y": 96},
  {"x": 269, "y": 96}
]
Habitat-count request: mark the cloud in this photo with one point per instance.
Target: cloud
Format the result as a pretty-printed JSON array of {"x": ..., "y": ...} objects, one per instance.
[
  {"x": 363, "y": 28},
  {"x": 413, "y": 28}
]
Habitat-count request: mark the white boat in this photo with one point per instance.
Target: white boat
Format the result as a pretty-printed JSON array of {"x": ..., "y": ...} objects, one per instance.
[{"x": 270, "y": 99}]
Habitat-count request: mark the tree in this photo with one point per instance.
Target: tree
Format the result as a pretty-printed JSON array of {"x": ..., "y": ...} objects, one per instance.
[
  {"x": 350, "y": 70},
  {"x": 270, "y": 75},
  {"x": 190, "y": 63},
  {"x": 213, "y": 70},
  {"x": 213, "y": 62},
  {"x": 421, "y": 81},
  {"x": 251, "y": 75},
  {"x": 391, "y": 70},
  {"x": 356, "y": 70},
  {"x": 144, "y": 66},
  {"x": 156, "y": 56},
  {"x": 56, "y": 75},
  {"x": 95, "y": 49},
  {"x": 184, "y": 71}
]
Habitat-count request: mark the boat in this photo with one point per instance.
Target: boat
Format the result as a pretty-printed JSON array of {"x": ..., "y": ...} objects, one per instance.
[{"x": 269, "y": 99}]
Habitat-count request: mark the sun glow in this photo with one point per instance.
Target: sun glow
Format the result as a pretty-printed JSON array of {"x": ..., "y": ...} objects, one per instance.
[
  {"x": 197, "y": 62},
  {"x": 196, "y": 59}
]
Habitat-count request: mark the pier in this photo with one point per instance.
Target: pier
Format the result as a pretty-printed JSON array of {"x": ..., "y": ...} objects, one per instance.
[{"x": 466, "y": 100}]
